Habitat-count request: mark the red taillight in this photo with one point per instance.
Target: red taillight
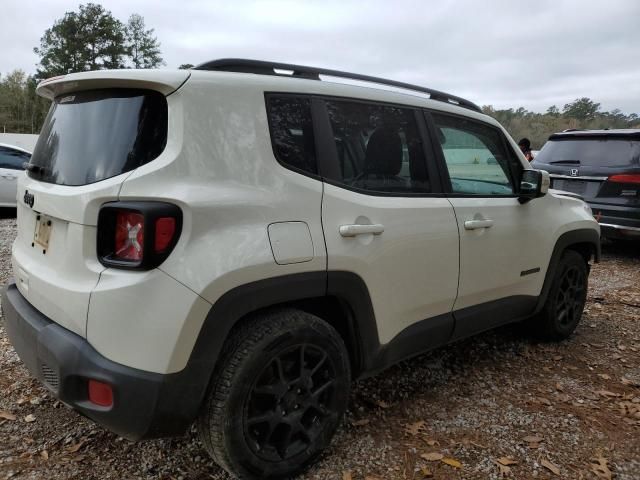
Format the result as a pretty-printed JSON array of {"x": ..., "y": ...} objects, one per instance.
[
  {"x": 137, "y": 235},
  {"x": 100, "y": 393},
  {"x": 129, "y": 236},
  {"x": 165, "y": 230},
  {"x": 625, "y": 178}
]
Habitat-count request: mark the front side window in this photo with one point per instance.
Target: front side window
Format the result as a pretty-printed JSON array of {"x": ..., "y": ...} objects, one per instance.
[
  {"x": 379, "y": 148},
  {"x": 292, "y": 132},
  {"x": 13, "y": 159},
  {"x": 476, "y": 157}
]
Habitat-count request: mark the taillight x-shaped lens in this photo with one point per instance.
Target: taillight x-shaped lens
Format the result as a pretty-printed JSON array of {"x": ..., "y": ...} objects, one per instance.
[{"x": 129, "y": 244}]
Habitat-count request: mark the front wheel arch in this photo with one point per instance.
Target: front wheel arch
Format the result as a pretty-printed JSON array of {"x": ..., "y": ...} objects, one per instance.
[{"x": 584, "y": 241}]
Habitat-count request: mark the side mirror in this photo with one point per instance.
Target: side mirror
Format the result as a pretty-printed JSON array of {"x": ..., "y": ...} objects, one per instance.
[{"x": 534, "y": 184}]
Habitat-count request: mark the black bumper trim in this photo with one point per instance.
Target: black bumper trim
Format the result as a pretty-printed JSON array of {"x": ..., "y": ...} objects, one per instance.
[{"x": 146, "y": 404}]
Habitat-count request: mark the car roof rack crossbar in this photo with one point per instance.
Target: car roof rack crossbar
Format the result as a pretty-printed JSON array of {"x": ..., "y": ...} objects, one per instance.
[{"x": 260, "y": 67}]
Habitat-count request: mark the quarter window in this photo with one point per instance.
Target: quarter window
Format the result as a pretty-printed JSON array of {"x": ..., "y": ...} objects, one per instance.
[
  {"x": 292, "y": 132},
  {"x": 476, "y": 157},
  {"x": 379, "y": 148}
]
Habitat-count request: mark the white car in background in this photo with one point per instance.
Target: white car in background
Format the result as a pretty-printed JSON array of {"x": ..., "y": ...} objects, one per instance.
[{"x": 12, "y": 159}]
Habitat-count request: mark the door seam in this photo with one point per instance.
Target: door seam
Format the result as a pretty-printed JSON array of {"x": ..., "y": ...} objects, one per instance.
[{"x": 455, "y": 216}]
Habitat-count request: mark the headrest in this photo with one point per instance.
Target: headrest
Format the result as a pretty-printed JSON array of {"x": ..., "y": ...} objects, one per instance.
[{"x": 384, "y": 152}]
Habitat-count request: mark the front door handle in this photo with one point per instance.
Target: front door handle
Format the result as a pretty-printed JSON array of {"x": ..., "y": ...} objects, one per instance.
[
  {"x": 353, "y": 230},
  {"x": 475, "y": 224}
]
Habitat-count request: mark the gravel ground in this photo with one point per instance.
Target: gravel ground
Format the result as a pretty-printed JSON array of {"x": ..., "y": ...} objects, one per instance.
[{"x": 495, "y": 406}]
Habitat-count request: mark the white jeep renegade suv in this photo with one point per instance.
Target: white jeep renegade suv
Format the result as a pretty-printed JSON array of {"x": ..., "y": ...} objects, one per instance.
[{"x": 234, "y": 244}]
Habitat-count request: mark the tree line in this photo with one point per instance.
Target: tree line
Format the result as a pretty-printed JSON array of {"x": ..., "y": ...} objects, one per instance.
[{"x": 582, "y": 113}]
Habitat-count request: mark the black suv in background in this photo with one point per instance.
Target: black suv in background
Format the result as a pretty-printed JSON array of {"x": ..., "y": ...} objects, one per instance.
[{"x": 602, "y": 166}]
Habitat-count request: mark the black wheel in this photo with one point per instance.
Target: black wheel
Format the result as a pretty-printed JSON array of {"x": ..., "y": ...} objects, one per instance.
[
  {"x": 568, "y": 294},
  {"x": 277, "y": 397}
]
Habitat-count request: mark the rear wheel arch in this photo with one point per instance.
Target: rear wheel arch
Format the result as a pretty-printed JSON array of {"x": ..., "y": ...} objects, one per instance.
[{"x": 339, "y": 298}]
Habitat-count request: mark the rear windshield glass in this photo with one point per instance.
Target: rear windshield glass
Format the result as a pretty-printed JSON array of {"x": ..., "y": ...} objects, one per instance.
[
  {"x": 93, "y": 135},
  {"x": 593, "y": 152}
]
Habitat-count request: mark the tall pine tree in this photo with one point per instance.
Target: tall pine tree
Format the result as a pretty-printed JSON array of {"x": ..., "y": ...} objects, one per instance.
[
  {"x": 143, "y": 47},
  {"x": 93, "y": 39}
]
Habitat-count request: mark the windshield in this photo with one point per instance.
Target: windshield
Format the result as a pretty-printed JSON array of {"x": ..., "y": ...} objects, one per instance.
[
  {"x": 98, "y": 134},
  {"x": 593, "y": 152}
]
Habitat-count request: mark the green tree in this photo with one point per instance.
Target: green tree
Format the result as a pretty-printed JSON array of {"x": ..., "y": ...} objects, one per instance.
[
  {"x": 581, "y": 108},
  {"x": 93, "y": 39},
  {"x": 143, "y": 47},
  {"x": 186, "y": 66},
  {"x": 553, "y": 111},
  {"x": 21, "y": 110}
]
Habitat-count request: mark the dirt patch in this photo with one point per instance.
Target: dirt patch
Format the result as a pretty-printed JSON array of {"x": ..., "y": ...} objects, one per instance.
[{"x": 495, "y": 406}]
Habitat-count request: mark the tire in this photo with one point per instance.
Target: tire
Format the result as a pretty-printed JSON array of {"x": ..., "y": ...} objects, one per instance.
[
  {"x": 277, "y": 397},
  {"x": 565, "y": 302}
]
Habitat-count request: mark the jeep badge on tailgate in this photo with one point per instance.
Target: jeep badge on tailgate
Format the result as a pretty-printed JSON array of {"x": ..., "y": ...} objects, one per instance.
[{"x": 29, "y": 198}]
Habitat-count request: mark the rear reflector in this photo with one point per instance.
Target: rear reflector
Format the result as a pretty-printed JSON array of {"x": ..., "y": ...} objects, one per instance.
[
  {"x": 165, "y": 230},
  {"x": 100, "y": 393},
  {"x": 625, "y": 178}
]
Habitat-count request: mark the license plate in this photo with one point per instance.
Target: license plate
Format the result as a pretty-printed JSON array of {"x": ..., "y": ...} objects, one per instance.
[
  {"x": 42, "y": 234},
  {"x": 573, "y": 186}
]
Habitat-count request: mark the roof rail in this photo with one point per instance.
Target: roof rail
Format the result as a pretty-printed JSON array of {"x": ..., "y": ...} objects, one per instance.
[{"x": 271, "y": 68}]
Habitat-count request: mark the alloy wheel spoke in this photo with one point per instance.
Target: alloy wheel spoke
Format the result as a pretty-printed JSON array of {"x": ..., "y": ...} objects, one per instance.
[
  {"x": 263, "y": 418},
  {"x": 285, "y": 414},
  {"x": 284, "y": 443},
  {"x": 319, "y": 364},
  {"x": 318, "y": 391},
  {"x": 302, "y": 361},
  {"x": 273, "y": 389},
  {"x": 280, "y": 370}
]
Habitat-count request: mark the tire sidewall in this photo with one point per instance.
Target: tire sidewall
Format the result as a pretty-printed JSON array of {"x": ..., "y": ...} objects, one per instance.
[
  {"x": 568, "y": 261},
  {"x": 240, "y": 453}
]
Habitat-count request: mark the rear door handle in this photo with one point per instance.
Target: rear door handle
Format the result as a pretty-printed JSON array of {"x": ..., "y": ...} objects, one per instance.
[
  {"x": 475, "y": 224},
  {"x": 353, "y": 230}
]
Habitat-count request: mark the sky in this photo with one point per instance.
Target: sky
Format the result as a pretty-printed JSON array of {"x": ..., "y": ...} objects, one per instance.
[{"x": 508, "y": 54}]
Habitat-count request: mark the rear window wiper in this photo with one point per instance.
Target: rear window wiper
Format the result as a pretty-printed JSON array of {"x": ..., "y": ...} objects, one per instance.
[
  {"x": 566, "y": 162},
  {"x": 30, "y": 167}
]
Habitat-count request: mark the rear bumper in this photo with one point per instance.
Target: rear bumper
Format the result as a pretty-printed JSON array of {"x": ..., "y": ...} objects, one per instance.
[
  {"x": 617, "y": 221},
  {"x": 145, "y": 404}
]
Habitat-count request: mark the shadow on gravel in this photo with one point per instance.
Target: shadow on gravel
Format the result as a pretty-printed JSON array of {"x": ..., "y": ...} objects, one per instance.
[
  {"x": 621, "y": 248},
  {"x": 425, "y": 374},
  {"x": 7, "y": 212}
]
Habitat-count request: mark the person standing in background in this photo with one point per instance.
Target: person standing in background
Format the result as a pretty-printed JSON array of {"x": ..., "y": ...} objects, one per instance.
[{"x": 525, "y": 146}]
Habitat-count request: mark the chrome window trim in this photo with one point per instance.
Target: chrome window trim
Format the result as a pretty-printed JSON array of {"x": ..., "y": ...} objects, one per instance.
[{"x": 568, "y": 177}]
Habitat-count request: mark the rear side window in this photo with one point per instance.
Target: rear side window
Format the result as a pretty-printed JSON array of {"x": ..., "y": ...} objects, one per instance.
[
  {"x": 292, "y": 132},
  {"x": 379, "y": 148},
  {"x": 476, "y": 157},
  {"x": 13, "y": 159},
  {"x": 94, "y": 135},
  {"x": 592, "y": 152}
]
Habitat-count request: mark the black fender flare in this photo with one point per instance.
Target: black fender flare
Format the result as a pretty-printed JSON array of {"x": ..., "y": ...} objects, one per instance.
[
  {"x": 183, "y": 392},
  {"x": 583, "y": 236}
]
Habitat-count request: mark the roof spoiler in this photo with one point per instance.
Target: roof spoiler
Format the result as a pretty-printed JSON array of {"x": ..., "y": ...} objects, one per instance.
[{"x": 163, "y": 81}]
